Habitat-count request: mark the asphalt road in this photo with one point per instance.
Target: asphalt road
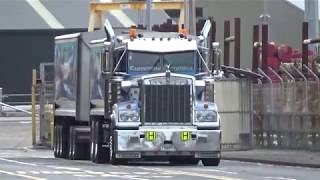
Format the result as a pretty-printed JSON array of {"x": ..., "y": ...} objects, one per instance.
[{"x": 17, "y": 161}]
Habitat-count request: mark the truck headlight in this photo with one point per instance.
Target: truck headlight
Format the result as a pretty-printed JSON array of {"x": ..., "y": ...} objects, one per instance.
[
  {"x": 206, "y": 116},
  {"x": 129, "y": 116}
]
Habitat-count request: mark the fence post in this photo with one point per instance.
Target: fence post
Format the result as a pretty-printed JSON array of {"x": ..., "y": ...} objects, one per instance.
[
  {"x": 33, "y": 99},
  {"x": 0, "y": 102}
]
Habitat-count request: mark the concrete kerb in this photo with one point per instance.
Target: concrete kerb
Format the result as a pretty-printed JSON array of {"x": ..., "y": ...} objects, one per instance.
[{"x": 312, "y": 161}]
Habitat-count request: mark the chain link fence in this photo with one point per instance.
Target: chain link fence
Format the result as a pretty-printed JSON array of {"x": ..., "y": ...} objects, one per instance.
[
  {"x": 286, "y": 114},
  {"x": 45, "y": 88}
]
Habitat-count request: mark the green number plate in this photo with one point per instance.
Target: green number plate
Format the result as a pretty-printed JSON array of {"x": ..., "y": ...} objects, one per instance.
[
  {"x": 151, "y": 135},
  {"x": 185, "y": 136}
]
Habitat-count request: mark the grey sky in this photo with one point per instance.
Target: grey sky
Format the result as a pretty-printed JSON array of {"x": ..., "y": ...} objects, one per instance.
[{"x": 299, "y": 3}]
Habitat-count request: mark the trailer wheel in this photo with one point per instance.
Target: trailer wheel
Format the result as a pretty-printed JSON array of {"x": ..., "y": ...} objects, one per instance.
[
  {"x": 73, "y": 148},
  {"x": 58, "y": 142},
  {"x": 99, "y": 150},
  {"x": 92, "y": 142},
  {"x": 78, "y": 147},
  {"x": 211, "y": 162},
  {"x": 55, "y": 143},
  {"x": 64, "y": 141}
]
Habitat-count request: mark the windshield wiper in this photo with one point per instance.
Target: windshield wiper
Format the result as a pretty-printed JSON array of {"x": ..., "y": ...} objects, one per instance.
[
  {"x": 169, "y": 65},
  {"x": 155, "y": 65}
]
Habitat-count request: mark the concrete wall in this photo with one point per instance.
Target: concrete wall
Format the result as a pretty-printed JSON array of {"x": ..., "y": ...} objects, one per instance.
[
  {"x": 23, "y": 50},
  {"x": 285, "y": 22}
]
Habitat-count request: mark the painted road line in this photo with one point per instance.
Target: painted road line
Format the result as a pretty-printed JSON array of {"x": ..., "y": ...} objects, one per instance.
[
  {"x": 215, "y": 170},
  {"x": 18, "y": 162},
  {"x": 161, "y": 176},
  {"x": 21, "y": 172},
  {"x": 94, "y": 172},
  {"x": 45, "y": 14},
  {"x": 185, "y": 173},
  {"x": 118, "y": 173},
  {"x": 84, "y": 175},
  {"x": 123, "y": 177},
  {"x": 65, "y": 168},
  {"x": 279, "y": 178},
  {"x": 25, "y": 122},
  {"x": 21, "y": 175}
]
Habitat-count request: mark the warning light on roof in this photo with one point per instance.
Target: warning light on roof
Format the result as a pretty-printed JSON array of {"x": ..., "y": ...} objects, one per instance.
[{"x": 182, "y": 31}]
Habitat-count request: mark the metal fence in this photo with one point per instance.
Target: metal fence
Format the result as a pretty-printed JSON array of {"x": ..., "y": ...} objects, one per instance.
[
  {"x": 45, "y": 88},
  {"x": 286, "y": 114}
]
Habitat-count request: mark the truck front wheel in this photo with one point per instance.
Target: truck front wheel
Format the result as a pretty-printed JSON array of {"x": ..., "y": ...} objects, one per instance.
[
  {"x": 99, "y": 149},
  {"x": 211, "y": 162},
  {"x": 112, "y": 154}
]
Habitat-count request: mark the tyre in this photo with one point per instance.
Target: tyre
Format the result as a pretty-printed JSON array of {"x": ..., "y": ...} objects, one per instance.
[
  {"x": 64, "y": 141},
  {"x": 99, "y": 150},
  {"x": 183, "y": 161},
  {"x": 192, "y": 161},
  {"x": 72, "y": 144},
  {"x": 112, "y": 155},
  {"x": 58, "y": 142},
  {"x": 55, "y": 142},
  {"x": 211, "y": 162},
  {"x": 78, "y": 149},
  {"x": 92, "y": 142}
]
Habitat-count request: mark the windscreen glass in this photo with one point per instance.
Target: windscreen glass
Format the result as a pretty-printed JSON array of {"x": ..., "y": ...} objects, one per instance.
[
  {"x": 143, "y": 63},
  {"x": 182, "y": 62},
  {"x": 146, "y": 63}
]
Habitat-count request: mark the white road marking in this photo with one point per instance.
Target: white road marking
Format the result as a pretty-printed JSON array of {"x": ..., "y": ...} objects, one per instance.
[
  {"x": 94, "y": 172},
  {"x": 21, "y": 175},
  {"x": 120, "y": 173},
  {"x": 21, "y": 172},
  {"x": 72, "y": 172},
  {"x": 25, "y": 122},
  {"x": 45, "y": 14},
  {"x": 142, "y": 173},
  {"x": 162, "y": 176},
  {"x": 122, "y": 176},
  {"x": 179, "y": 172},
  {"x": 216, "y": 170},
  {"x": 34, "y": 172},
  {"x": 84, "y": 175},
  {"x": 280, "y": 178},
  {"x": 18, "y": 162},
  {"x": 65, "y": 168},
  {"x": 28, "y": 149}
]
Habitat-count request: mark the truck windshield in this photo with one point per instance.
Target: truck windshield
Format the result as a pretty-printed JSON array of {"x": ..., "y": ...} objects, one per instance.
[
  {"x": 182, "y": 62},
  {"x": 141, "y": 62},
  {"x": 144, "y": 63}
]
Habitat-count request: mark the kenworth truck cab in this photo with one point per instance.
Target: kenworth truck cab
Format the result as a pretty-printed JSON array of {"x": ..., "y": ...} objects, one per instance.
[
  {"x": 123, "y": 95},
  {"x": 165, "y": 105}
]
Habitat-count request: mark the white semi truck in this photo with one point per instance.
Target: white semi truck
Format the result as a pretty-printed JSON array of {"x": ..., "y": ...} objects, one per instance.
[{"x": 128, "y": 94}]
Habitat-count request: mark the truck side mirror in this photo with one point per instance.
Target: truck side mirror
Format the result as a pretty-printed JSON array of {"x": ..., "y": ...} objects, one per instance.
[
  {"x": 106, "y": 60},
  {"x": 216, "y": 55}
]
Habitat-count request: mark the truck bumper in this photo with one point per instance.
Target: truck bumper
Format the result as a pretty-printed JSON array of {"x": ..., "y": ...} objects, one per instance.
[{"x": 167, "y": 142}]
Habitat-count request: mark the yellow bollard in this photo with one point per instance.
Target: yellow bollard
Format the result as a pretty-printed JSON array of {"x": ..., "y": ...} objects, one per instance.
[
  {"x": 33, "y": 99},
  {"x": 50, "y": 112}
]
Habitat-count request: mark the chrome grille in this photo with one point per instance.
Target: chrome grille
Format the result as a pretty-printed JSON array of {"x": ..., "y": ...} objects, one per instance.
[{"x": 167, "y": 104}]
